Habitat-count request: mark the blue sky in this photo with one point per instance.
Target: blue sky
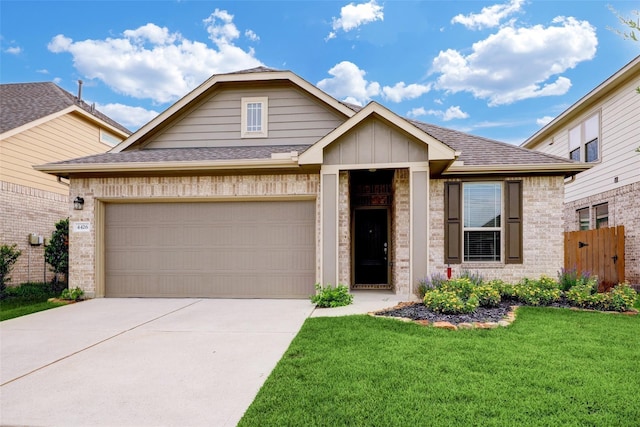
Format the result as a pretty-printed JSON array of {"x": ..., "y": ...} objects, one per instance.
[{"x": 499, "y": 69}]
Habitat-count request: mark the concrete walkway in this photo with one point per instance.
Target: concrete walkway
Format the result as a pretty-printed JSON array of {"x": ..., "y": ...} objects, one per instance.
[{"x": 149, "y": 362}]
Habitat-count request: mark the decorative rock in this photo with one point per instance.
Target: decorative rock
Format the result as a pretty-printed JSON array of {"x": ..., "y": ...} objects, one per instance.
[
  {"x": 486, "y": 325},
  {"x": 445, "y": 325},
  {"x": 504, "y": 323},
  {"x": 465, "y": 326},
  {"x": 422, "y": 322}
]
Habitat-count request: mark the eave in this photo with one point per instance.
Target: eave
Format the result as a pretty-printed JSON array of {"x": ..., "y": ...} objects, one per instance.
[{"x": 568, "y": 169}]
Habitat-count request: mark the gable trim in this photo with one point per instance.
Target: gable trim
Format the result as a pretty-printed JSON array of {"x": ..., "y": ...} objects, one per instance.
[
  {"x": 231, "y": 78},
  {"x": 568, "y": 169},
  {"x": 437, "y": 149}
]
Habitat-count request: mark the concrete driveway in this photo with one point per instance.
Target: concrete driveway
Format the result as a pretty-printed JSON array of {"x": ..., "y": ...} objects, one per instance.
[{"x": 142, "y": 362}]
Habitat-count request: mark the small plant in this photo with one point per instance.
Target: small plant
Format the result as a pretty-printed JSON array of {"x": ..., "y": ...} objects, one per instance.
[
  {"x": 328, "y": 296},
  {"x": 462, "y": 286},
  {"x": 57, "y": 252},
  {"x": 570, "y": 278},
  {"x": 543, "y": 291},
  {"x": 8, "y": 256},
  {"x": 449, "y": 302},
  {"x": 621, "y": 298},
  {"x": 475, "y": 278},
  {"x": 431, "y": 282},
  {"x": 488, "y": 295},
  {"x": 75, "y": 294}
]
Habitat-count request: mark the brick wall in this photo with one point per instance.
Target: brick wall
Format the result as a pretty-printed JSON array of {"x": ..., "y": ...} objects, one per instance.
[
  {"x": 400, "y": 232},
  {"x": 624, "y": 209},
  {"x": 25, "y": 210},
  {"x": 543, "y": 238},
  {"x": 344, "y": 230},
  {"x": 82, "y": 245}
]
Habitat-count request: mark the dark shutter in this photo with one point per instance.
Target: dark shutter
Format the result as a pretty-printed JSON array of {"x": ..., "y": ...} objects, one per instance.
[
  {"x": 513, "y": 223},
  {"x": 453, "y": 222}
]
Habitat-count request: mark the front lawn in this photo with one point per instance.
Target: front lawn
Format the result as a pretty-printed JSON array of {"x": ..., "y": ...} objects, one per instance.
[
  {"x": 26, "y": 299},
  {"x": 551, "y": 367}
]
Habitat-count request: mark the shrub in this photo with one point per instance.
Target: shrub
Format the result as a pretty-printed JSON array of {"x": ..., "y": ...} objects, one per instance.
[
  {"x": 57, "y": 252},
  {"x": 620, "y": 298},
  {"x": 8, "y": 256},
  {"x": 543, "y": 291},
  {"x": 476, "y": 278},
  {"x": 75, "y": 294},
  {"x": 488, "y": 295},
  {"x": 29, "y": 290},
  {"x": 506, "y": 290},
  {"x": 431, "y": 282},
  {"x": 623, "y": 297},
  {"x": 328, "y": 296},
  {"x": 567, "y": 279},
  {"x": 449, "y": 302},
  {"x": 462, "y": 286}
]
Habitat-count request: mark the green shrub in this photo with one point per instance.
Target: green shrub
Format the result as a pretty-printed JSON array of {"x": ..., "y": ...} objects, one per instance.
[
  {"x": 488, "y": 295},
  {"x": 462, "y": 286},
  {"x": 30, "y": 290},
  {"x": 620, "y": 298},
  {"x": 543, "y": 291},
  {"x": 328, "y": 296},
  {"x": 431, "y": 282},
  {"x": 75, "y": 294},
  {"x": 476, "y": 278},
  {"x": 567, "y": 279},
  {"x": 506, "y": 290},
  {"x": 8, "y": 256},
  {"x": 449, "y": 302},
  {"x": 623, "y": 297}
]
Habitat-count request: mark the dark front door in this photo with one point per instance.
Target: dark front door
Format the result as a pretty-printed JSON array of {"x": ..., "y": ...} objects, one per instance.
[{"x": 371, "y": 246}]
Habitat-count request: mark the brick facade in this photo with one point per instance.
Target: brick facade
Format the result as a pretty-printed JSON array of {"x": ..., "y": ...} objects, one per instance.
[
  {"x": 25, "y": 210},
  {"x": 344, "y": 230},
  {"x": 543, "y": 239},
  {"x": 400, "y": 233},
  {"x": 624, "y": 209}
]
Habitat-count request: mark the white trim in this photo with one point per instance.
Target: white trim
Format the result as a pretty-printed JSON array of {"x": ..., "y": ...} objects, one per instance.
[
  {"x": 500, "y": 229},
  {"x": 570, "y": 168},
  {"x": 412, "y": 260},
  {"x": 264, "y": 117}
]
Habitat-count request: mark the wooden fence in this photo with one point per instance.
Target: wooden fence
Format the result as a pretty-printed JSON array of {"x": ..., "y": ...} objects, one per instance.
[{"x": 597, "y": 252}]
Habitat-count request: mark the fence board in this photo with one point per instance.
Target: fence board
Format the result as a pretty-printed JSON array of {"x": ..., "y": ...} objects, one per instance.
[{"x": 597, "y": 252}]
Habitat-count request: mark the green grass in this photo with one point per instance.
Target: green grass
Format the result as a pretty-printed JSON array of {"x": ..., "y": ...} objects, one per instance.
[
  {"x": 552, "y": 367},
  {"x": 26, "y": 299}
]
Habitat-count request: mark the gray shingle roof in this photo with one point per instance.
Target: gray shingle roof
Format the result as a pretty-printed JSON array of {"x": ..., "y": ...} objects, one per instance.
[
  {"x": 22, "y": 103},
  {"x": 186, "y": 154}
]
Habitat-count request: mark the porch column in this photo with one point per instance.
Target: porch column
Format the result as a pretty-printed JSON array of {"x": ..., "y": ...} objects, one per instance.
[
  {"x": 419, "y": 184},
  {"x": 329, "y": 229}
]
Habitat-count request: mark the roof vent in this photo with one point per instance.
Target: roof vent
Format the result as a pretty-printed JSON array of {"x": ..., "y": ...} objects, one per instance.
[{"x": 79, "y": 90}]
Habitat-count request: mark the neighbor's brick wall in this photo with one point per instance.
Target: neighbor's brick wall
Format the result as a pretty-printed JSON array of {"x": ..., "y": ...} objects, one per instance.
[
  {"x": 344, "y": 230},
  {"x": 82, "y": 245},
  {"x": 543, "y": 238},
  {"x": 624, "y": 209},
  {"x": 400, "y": 233},
  {"x": 25, "y": 210}
]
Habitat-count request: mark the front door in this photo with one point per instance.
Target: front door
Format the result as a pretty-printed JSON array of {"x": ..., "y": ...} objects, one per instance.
[{"x": 371, "y": 247}]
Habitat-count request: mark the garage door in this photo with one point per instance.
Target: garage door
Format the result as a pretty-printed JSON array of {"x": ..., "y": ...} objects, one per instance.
[{"x": 223, "y": 249}]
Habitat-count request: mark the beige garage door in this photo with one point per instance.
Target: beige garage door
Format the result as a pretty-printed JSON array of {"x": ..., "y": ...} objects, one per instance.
[{"x": 222, "y": 249}]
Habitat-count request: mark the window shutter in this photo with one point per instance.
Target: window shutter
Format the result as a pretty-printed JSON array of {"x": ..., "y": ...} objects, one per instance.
[
  {"x": 513, "y": 223},
  {"x": 453, "y": 222}
]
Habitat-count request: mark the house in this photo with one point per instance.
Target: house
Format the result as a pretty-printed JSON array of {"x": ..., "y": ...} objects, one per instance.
[
  {"x": 39, "y": 123},
  {"x": 258, "y": 184},
  {"x": 602, "y": 129}
]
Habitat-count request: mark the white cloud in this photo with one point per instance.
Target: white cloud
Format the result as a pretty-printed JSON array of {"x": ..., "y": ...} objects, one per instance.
[
  {"x": 352, "y": 16},
  {"x": 518, "y": 63},
  {"x": 488, "y": 17},
  {"x": 401, "y": 91},
  {"x": 451, "y": 113},
  {"x": 43, "y": 71},
  {"x": 129, "y": 117},
  {"x": 251, "y": 35},
  {"x": 151, "y": 62},
  {"x": 14, "y": 50},
  {"x": 348, "y": 83},
  {"x": 542, "y": 121}
]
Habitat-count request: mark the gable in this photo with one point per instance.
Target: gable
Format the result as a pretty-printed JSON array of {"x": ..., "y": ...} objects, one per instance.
[
  {"x": 373, "y": 141},
  {"x": 294, "y": 118}
]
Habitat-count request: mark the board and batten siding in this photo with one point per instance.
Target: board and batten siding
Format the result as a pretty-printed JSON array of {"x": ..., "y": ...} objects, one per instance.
[
  {"x": 374, "y": 142},
  {"x": 620, "y": 136},
  {"x": 62, "y": 138},
  {"x": 294, "y": 118}
]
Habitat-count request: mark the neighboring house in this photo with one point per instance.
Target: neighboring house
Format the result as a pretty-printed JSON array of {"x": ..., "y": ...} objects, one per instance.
[
  {"x": 39, "y": 123},
  {"x": 259, "y": 184},
  {"x": 602, "y": 129}
]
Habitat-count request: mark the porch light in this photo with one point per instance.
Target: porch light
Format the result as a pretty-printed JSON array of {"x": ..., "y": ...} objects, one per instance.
[{"x": 78, "y": 203}]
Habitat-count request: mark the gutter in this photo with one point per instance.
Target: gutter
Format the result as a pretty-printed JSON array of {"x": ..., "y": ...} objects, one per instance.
[{"x": 569, "y": 169}]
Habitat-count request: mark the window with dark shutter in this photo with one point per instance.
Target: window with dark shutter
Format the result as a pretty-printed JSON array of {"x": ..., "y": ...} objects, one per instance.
[{"x": 453, "y": 223}]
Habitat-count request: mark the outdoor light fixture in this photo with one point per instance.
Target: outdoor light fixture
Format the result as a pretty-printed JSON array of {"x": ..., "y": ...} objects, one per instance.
[{"x": 78, "y": 203}]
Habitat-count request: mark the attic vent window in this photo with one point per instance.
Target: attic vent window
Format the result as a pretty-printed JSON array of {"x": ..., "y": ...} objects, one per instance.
[{"x": 254, "y": 117}]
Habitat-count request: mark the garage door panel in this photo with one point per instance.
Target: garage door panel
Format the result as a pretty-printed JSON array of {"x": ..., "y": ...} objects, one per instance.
[{"x": 224, "y": 249}]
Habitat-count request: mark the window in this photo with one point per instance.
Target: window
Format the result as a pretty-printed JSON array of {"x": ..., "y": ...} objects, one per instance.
[
  {"x": 254, "y": 117},
  {"x": 483, "y": 222},
  {"x": 602, "y": 215},
  {"x": 482, "y": 206},
  {"x": 108, "y": 138},
  {"x": 584, "y": 140},
  {"x": 583, "y": 219}
]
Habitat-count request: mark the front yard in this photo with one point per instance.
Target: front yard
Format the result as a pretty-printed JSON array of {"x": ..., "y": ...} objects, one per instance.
[{"x": 551, "y": 367}]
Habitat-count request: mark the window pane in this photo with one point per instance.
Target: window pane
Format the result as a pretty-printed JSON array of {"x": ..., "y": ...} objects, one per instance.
[
  {"x": 254, "y": 117},
  {"x": 591, "y": 150},
  {"x": 482, "y": 246},
  {"x": 482, "y": 204},
  {"x": 574, "y": 138},
  {"x": 602, "y": 216},
  {"x": 591, "y": 127},
  {"x": 583, "y": 218},
  {"x": 575, "y": 155}
]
